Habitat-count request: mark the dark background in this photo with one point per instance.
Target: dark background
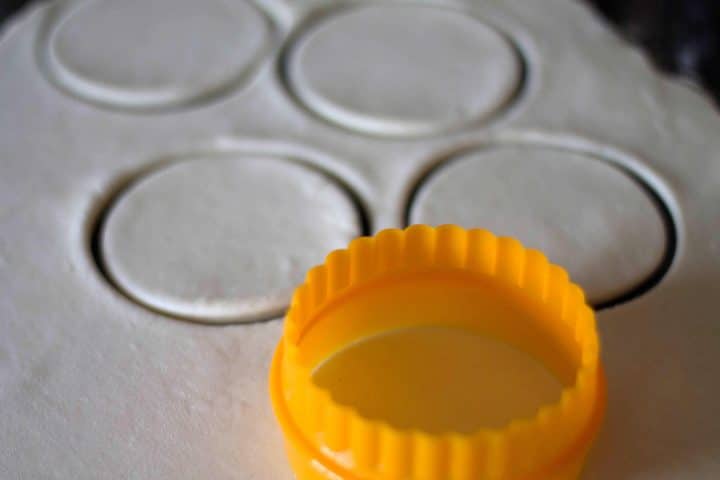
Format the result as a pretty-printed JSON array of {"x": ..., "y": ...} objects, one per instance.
[{"x": 681, "y": 36}]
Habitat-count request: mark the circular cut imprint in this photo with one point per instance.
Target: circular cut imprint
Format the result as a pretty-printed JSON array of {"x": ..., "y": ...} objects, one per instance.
[
  {"x": 224, "y": 239},
  {"x": 403, "y": 70},
  {"x": 585, "y": 214},
  {"x": 159, "y": 54}
]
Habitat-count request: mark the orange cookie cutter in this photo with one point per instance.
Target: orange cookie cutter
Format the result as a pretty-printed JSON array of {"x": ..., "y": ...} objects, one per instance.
[{"x": 451, "y": 277}]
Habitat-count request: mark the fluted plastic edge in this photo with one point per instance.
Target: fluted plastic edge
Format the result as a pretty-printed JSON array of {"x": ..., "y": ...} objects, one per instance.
[{"x": 362, "y": 448}]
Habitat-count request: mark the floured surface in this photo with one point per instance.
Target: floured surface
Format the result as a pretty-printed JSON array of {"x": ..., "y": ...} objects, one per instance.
[
  {"x": 388, "y": 69},
  {"x": 583, "y": 213},
  {"x": 94, "y": 385},
  {"x": 189, "y": 239},
  {"x": 158, "y": 59}
]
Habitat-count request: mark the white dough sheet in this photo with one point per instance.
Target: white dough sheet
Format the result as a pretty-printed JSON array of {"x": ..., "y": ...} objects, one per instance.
[{"x": 169, "y": 169}]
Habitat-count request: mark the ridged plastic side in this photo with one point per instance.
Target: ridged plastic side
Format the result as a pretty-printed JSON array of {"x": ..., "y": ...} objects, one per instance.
[{"x": 375, "y": 449}]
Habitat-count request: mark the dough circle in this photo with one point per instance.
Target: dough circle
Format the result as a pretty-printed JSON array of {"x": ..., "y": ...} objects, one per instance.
[
  {"x": 224, "y": 238},
  {"x": 402, "y": 70},
  {"x": 135, "y": 54},
  {"x": 585, "y": 214}
]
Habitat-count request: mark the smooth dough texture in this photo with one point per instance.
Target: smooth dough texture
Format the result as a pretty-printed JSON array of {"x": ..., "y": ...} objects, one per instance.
[
  {"x": 387, "y": 69},
  {"x": 190, "y": 240},
  {"x": 583, "y": 213},
  {"x": 94, "y": 384},
  {"x": 175, "y": 52}
]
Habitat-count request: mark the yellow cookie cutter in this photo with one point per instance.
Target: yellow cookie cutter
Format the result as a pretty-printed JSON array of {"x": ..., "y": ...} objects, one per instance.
[{"x": 365, "y": 290}]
